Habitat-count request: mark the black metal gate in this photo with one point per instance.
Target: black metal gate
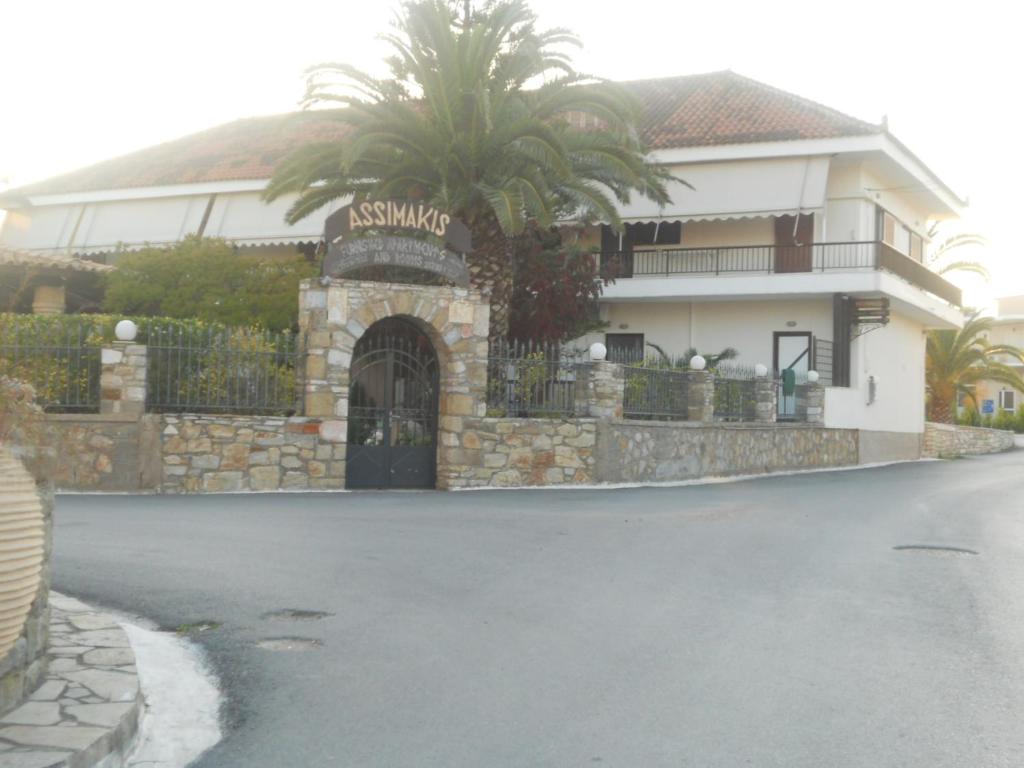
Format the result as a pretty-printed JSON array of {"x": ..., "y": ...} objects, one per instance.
[{"x": 392, "y": 411}]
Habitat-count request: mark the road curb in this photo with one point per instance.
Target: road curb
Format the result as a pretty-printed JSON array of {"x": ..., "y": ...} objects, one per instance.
[{"x": 86, "y": 712}]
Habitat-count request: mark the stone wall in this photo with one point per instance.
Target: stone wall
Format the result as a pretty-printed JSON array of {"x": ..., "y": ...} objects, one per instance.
[
  {"x": 950, "y": 440},
  {"x": 642, "y": 452},
  {"x": 505, "y": 453},
  {"x": 216, "y": 454},
  {"x": 116, "y": 452}
]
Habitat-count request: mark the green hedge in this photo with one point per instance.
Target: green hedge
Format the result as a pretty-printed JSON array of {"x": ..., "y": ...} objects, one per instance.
[{"x": 1001, "y": 420}]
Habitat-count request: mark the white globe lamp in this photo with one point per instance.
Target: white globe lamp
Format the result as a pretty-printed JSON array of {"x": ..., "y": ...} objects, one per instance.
[
  {"x": 126, "y": 330},
  {"x": 760, "y": 370},
  {"x": 812, "y": 377},
  {"x": 698, "y": 363},
  {"x": 598, "y": 351}
]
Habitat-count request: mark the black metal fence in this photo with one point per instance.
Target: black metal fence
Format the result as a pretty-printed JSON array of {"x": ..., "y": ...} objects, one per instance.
[
  {"x": 534, "y": 379},
  {"x": 223, "y": 371},
  {"x": 816, "y": 257},
  {"x": 60, "y": 360},
  {"x": 822, "y": 355},
  {"x": 655, "y": 393},
  {"x": 735, "y": 393}
]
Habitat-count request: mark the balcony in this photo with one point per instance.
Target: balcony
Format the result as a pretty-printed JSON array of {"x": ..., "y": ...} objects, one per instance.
[{"x": 772, "y": 259}]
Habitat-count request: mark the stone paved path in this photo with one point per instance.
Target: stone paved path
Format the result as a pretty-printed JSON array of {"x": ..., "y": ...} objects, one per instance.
[{"x": 87, "y": 709}]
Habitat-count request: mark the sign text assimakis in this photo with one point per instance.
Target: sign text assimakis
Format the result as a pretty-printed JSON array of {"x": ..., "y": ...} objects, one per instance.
[{"x": 360, "y": 217}]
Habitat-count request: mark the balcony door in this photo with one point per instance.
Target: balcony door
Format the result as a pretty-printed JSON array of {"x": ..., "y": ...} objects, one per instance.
[{"x": 793, "y": 238}]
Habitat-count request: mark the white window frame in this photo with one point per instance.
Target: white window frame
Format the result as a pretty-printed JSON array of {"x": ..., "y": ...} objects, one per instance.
[{"x": 1008, "y": 395}]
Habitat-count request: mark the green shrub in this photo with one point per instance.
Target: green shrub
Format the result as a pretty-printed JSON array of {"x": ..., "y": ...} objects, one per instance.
[
  {"x": 193, "y": 364},
  {"x": 234, "y": 369},
  {"x": 208, "y": 279}
]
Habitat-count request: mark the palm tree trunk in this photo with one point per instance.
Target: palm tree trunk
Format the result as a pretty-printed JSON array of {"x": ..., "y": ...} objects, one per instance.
[
  {"x": 940, "y": 410},
  {"x": 491, "y": 269}
]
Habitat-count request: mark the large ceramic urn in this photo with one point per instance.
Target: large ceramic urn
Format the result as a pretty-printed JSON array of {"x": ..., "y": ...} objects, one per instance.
[{"x": 22, "y": 547}]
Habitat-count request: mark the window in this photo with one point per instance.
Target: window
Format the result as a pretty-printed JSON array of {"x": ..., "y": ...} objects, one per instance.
[
  {"x": 898, "y": 236},
  {"x": 656, "y": 233},
  {"x": 1008, "y": 400},
  {"x": 624, "y": 347},
  {"x": 916, "y": 247}
]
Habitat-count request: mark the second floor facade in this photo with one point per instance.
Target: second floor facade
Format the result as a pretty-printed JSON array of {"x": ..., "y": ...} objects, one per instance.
[
  {"x": 851, "y": 220},
  {"x": 776, "y": 195}
]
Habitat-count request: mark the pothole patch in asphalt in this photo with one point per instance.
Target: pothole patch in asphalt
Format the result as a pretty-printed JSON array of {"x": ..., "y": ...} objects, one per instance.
[
  {"x": 197, "y": 627},
  {"x": 296, "y": 614},
  {"x": 935, "y": 549},
  {"x": 293, "y": 644}
]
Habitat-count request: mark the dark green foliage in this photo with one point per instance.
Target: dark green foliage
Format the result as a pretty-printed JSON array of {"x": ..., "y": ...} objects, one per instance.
[
  {"x": 956, "y": 360},
  {"x": 1001, "y": 420},
  {"x": 480, "y": 114},
  {"x": 207, "y": 279}
]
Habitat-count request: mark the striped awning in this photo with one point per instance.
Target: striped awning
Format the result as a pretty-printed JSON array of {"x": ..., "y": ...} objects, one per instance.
[{"x": 738, "y": 190}]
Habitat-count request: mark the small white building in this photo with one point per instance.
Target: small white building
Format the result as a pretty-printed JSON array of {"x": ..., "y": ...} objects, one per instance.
[
  {"x": 803, "y": 230},
  {"x": 995, "y": 398}
]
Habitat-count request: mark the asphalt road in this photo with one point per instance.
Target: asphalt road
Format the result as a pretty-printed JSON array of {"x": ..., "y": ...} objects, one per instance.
[{"x": 761, "y": 623}]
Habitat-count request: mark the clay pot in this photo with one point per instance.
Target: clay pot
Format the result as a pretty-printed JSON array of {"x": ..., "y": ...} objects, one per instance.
[{"x": 22, "y": 547}]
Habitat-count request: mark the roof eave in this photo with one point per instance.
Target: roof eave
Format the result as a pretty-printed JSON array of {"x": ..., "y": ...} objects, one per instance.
[
  {"x": 882, "y": 142},
  {"x": 133, "y": 193}
]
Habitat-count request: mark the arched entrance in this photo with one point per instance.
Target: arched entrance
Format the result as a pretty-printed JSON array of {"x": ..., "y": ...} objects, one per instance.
[{"x": 392, "y": 408}]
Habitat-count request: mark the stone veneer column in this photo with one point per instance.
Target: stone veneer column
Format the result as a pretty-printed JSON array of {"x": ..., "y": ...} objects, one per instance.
[
  {"x": 700, "y": 395},
  {"x": 765, "y": 394},
  {"x": 812, "y": 407},
  {"x": 123, "y": 378},
  {"x": 605, "y": 390},
  {"x": 333, "y": 315}
]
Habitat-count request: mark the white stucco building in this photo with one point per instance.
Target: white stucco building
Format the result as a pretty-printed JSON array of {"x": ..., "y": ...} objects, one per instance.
[
  {"x": 995, "y": 398},
  {"x": 799, "y": 218}
]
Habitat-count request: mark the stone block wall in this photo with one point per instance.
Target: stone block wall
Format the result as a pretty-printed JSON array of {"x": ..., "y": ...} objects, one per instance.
[
  {"x": 506, "y": 453},
  {"x": 951, "y": 440},
  {"x": 218, "y": 454},
  {"x": 116, "y": 452},
  {"x": 641, "y": 452}
]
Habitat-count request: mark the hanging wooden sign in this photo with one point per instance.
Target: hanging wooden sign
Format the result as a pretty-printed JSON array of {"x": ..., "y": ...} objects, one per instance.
[
  {"x": 405, "y": 215},
  {"x": 344, "y": 257}
]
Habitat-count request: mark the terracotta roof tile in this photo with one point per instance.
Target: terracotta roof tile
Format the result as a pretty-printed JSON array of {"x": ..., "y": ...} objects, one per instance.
[
  {"x": 56, "y": 262},
  {"x": 688, "y": 111}
]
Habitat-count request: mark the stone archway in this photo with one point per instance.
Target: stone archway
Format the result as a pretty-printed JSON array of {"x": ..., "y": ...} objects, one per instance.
[{"x": 335, "y": 314}]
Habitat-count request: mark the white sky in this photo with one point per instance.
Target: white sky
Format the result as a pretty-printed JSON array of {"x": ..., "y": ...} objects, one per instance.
[{"x": 85, "y": 81}]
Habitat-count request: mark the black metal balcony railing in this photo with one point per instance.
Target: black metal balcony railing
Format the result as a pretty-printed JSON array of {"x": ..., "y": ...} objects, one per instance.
[{"x": 773, "y": 259}]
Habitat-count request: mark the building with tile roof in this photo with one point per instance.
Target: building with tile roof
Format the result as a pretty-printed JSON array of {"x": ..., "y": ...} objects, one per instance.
[{"x": 792, "y": 219}]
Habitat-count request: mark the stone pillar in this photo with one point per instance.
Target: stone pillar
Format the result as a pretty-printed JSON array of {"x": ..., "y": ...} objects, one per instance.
[
  {"x": 765, "y": 394},
  {"x": 700, "y": 394},
  {"x": 605, "y": 390},
  {"x": 316, "y": 339},
  {"x": 48, "y": 300},
  {"x": 811, "y": 407},
  {"x": 123, "y": 378}
]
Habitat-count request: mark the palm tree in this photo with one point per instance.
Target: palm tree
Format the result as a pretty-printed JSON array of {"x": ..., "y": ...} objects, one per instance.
[
  {"x": 957, "y": 360},
  {"x": 940, "y": 259},
  {"x": 480, "y": 116}
]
